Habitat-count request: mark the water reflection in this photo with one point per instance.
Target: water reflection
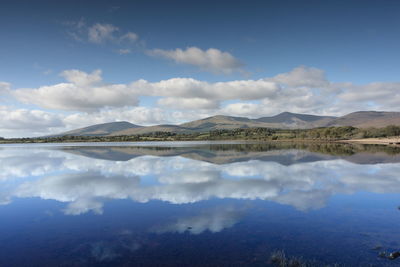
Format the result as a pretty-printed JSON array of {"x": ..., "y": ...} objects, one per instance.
[
  {"x": 231, "y": 204},
  {"x": 86, "y": 177},
  {"x": 213, "y": 219}
]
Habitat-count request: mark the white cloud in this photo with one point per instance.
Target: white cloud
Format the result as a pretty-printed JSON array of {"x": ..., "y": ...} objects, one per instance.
[
  {"x": 81, "y": 78},
  {"x": 177, "y": 100},
  {"x": 84, "y": 92},
  {"x": 303, "y": 76},
  {"x": 213, "y": 60},
  {"x": 188, "y": 103},
  {"x": 136, "y": 115},
  {"x": 246, "y": 89},
  {"x": 175, "y": 87},
  {"x": 244, "y": 109},
  {"x": 124, "y": 51},
  {"x": 87, "y": 92},
  {"x": 5, "y": 88},
  {"x": 190, "y": 88},
  {"x": 99, "y": 33},
  {"x": 130, "y": 37},
  {"x": 19, "y": 120},
  {"x": 380, "y": 95}
]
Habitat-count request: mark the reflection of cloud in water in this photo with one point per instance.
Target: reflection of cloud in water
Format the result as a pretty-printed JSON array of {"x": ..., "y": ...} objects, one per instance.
[
  {"x": 213, "y": 220},
  {"x": 5, "y": 198},
  {"x": 15, "y": 163},
  {"x": 81, "y": 190},
  {"x": 104, "y": 251},
  {"x": 187, "y": 176},
  {"x": 86, "y": 183},
  {"x": 81, "y": 206}
]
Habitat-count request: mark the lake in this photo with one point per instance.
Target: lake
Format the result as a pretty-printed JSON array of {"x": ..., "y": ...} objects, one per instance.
[{"x": 198, "y": 204}]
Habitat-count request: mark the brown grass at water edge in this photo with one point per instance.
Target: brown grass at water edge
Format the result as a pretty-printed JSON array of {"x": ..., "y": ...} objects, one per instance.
[{"x": 375, "y": 141}]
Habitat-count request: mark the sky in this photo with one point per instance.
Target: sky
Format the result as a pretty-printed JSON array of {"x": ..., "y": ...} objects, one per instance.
[{"x": 71, "y": 64}]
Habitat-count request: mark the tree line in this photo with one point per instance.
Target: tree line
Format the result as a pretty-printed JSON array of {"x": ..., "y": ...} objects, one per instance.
[{"x": 260, "y": 134}]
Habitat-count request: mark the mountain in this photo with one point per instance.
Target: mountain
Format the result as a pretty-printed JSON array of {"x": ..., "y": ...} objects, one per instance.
[
  {"x": 285, "y": 120},
  {"x": 102, "y": 129},
  {"x": 220, "y": 122},
  {"x": 294, "y": 120},
  {"x": 150, "y": 129},
  {"x": 365, "y": 119}
]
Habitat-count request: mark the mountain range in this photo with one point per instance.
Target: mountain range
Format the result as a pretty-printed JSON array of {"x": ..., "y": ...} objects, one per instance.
[{"x": 285, "y": 120}]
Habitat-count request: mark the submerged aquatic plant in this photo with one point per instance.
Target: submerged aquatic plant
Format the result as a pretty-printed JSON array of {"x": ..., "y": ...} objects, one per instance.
[{"x": 279, "y": 258}]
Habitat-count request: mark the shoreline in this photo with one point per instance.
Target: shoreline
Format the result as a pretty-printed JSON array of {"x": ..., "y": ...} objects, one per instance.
[{"x": 392, "y": 141}]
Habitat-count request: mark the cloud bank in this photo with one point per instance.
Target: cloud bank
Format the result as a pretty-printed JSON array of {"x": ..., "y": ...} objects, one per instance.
[{"x": 88, "y": 99}]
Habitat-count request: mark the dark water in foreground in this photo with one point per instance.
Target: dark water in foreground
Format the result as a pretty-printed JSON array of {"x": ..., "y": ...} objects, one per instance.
[{"x": 191, "y": 204}]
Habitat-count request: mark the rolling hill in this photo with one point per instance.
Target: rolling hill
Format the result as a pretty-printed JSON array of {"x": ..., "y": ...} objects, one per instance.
[
  {"x": 294, "y": 120},
  {"x": 150, "y": 129},
  {"x": 365, "y": 119},
  {"x": 285, "y": 120},
  {"x": 101, "y": 129}
]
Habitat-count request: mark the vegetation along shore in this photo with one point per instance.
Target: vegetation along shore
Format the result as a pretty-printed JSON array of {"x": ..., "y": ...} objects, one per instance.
[{"x": 389, "y": 135}]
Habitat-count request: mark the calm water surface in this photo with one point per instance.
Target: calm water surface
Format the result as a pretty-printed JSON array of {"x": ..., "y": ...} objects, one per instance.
[{"x": 198, "y": 204}]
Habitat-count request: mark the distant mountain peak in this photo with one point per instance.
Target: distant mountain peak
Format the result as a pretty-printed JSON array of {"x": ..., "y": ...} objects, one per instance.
[
  {"x": 101, "y": 129},
  {"x": 290, "y": 118},
  {"x": 283, "y": 120}
]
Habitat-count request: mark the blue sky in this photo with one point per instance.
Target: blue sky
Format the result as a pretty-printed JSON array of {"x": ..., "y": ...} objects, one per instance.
[{"x": 68, "y": 64}]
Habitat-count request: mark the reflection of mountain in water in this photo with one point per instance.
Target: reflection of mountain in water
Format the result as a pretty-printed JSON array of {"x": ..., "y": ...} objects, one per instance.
[
  {"x": 303, "y": 176},
  {"x": 282, "y": 153}
]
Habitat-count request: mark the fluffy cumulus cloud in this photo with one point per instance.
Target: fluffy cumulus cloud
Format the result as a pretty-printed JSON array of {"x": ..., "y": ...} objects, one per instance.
[
  {"x": 88, "y": 99},
  {"x": 19, "y": 120},
  {"x": 136, "y": 115},
  {"x": 188, "y": 103},
  {"x": 243, "y": 109},
  {"x": 212, "y": 59},
  {"x": 379, "y": 95},
  {"x": 83, "y": 92},
  {"x": 87, "y": 92},
  {"x": 81, "y": 78},
  {"x": 303, "y": 76}
]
